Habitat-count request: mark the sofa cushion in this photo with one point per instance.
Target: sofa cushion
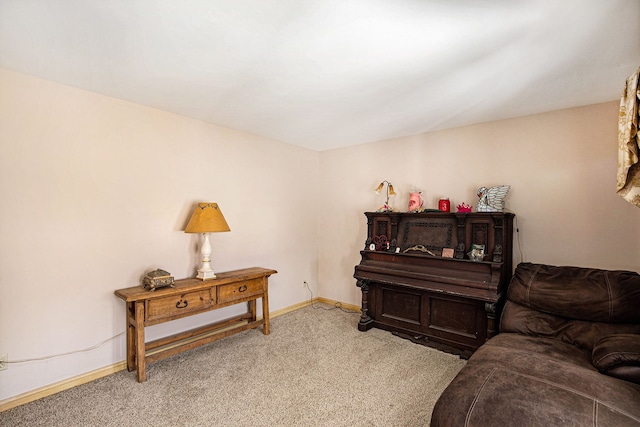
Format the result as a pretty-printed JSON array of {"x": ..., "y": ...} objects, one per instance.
[
  {"x": 618, "y": 355},
  {"x": 578, "y": 293},
  {"x": 523, "y": 380},
  {"x": 524, "y": 320}
]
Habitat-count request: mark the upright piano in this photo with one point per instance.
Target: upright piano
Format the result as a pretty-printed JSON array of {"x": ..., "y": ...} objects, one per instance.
[{"x": 437, "y": 278}]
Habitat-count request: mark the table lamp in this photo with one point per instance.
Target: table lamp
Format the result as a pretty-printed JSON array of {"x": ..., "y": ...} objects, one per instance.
[
  {"x": 206, "y": 218},
  {"x": 386, "y": 207}
]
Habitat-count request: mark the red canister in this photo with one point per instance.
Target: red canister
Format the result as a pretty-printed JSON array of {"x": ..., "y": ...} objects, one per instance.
[{"x": 444, "y": 205}]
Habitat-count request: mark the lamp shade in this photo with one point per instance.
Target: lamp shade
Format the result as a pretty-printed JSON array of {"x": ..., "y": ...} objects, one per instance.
[
  {"x": 391, "y": 192},
  {"x": 207, "y": 218}
]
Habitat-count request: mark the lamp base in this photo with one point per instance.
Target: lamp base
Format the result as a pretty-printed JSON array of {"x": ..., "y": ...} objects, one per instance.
[
  {"x": 205, "y": 272},
  {"x": 206, "y": 275}
]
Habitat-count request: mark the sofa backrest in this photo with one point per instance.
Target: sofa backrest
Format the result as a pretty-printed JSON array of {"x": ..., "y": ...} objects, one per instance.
[
  {"x": 576, "y": 305},
  {"x": 578, "y": 293}
]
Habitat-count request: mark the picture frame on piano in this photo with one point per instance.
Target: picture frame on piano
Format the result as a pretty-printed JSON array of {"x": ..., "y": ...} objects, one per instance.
[{"x": 476, "y": 253}]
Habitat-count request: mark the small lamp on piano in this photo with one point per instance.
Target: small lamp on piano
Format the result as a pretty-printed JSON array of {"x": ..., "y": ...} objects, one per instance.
[
  {"x": 206, "y": 218},
  {"x": 390, "y": 192}
]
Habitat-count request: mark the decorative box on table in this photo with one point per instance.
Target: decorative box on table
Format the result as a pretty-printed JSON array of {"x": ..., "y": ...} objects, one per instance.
[{"x": 157, "y": 279}]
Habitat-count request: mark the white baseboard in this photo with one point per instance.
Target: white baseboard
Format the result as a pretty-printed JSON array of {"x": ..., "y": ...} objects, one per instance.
[{"x": 51, "y": 389}]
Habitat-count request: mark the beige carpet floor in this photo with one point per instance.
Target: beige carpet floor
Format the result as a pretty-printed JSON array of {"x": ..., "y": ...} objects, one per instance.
[{"x": 314, "y": 369}]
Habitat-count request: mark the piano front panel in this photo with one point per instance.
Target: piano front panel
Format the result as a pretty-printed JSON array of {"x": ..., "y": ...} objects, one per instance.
[
  {"x": 399, "y": 306},
  {"x": 382, "y": 227},
  {"x": 453, "y": 317},
  {"x": 456, "y": 322},
  {"x": 433, "y": 234}
]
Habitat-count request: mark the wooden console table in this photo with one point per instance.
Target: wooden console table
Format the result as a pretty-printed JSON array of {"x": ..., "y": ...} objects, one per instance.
[{"x": 189, "y": 297}]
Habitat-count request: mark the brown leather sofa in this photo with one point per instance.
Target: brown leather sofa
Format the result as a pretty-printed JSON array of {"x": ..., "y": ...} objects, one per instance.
[{"x": 568, "y": 353}]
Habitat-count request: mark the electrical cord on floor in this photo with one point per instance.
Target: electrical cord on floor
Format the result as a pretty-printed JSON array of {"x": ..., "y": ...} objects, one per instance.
[
  {"x": 35, "y": 359},
  {"x": 337, "y": 305}
]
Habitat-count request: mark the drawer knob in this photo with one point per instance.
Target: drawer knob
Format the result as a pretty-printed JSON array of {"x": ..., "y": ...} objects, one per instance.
[
  {"x": 242, "y": 288},
  {"x": 182, "y": 304}
]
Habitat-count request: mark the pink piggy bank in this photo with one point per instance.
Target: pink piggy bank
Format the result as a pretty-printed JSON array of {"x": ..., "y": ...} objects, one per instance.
[{"x": 415, "y": 202}]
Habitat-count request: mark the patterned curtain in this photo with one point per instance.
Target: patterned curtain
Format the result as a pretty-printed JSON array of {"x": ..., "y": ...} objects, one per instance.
[{"x": 628, "y": 142}]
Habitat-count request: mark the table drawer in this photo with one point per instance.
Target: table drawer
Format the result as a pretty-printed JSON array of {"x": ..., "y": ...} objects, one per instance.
[
  {"x": 177, "y": 305},
  {"x": 239, "y": 290}
]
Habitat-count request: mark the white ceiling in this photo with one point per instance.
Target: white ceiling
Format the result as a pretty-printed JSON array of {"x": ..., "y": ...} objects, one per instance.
[{"x": 324, "y": 74}]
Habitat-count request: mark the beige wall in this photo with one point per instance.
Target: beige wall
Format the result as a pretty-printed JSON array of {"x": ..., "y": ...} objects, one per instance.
[
  {"x": 95, "y": 191},
  {"x": 561, "y": 167}
]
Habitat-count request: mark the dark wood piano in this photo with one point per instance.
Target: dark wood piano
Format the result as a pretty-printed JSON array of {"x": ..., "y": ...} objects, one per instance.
[{"x": 449, "y": 302}]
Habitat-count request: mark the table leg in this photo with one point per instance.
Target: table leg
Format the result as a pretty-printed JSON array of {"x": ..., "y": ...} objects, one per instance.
[
  {"x": 251, "y": 305},
  {"x": 265, "y": 312},
  {"x": 140, "y": 347},
  {"x": 131, "y": 338}
]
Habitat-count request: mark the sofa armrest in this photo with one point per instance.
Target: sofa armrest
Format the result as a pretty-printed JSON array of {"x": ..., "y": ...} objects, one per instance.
[{"x": 618, "y": 355}]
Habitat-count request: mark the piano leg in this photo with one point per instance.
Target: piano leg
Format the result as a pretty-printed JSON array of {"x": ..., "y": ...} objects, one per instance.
[
  {"x": 365, "y": 322},
  {"x": 490, "y": 309}
]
